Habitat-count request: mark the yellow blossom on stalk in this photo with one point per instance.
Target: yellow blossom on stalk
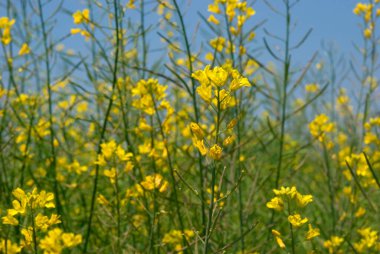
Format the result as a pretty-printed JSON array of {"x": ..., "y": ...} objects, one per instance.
[
  {"x": 43, "y": 222},
  {"x": 102, "y": 200},
  {"x": 108, "y": 149},
  {"x": 296, "y": 220},
  {"x": 155, "y": 181},
  {"x": 111, "y": 174},
  {"x": 312, "y": 88},
  {"x": 196, "y": 130},
  {"x": 367, "y": 33},
  {"x": 369, "y": 240},
  {"x": 303, "y": 200},
  {"x": 82, "y": 32},
  {"x": 28, "y": 236},
  {"x": 312, "y": 233},
  {"x": 228, "y": 141},
  {"x": 175, "y": 239},
  {"x": 9, "y": 219},
  {"x": 147, "y": 93},
  {"x": 218, "y": 196},
  {"x": 276, "y": 203},
  {"x": 81, "y": 16},
  {"x": 24, "y": 50},
  {"x": 205, "y": 92},
  {"x": 320, "y": 126},
  {"x": 214, "y": 8},
  {"x": 218, "y": 76},
  {"x": 238, "y": 83},
  {"x": 131, "y": 4},
  {"x": 218, "y": 43},
  {"x": 56, "y": 241},
  {"x": 6, "y": 25},
  {"x": 213, "y": 20},
  {"x": 286, "y": 191},
  {"x": 224, "y": 99},
  {"x": 360, "y": 212},
  {"x": 279, "y": 241},
  {"x": 333, "y": 244},
  {"x": 216, "y": 152},
  {"x": 200, "y": 145}
]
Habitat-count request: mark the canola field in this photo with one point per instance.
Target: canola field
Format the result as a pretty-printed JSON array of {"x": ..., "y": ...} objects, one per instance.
[{"x": 131, "y": 126}]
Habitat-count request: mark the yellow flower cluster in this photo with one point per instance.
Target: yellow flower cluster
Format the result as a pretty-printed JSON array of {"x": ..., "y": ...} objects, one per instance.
[
  {"x": 114, "y": 153},
  {"x": 236, "y": 11},
  {"x": 217, "y": 86},
  {"x": 56, "y": 241},
  {"x": 218, "y": 196},
  {"x": 26, "y": 201},
  {"x": 333, "y": 244},
  {"x": 5, "y": 26},
  {"x": 367, "y": 11},
  {"x": 28, "y": 205},
  {"x": 320, "y": 126},
  {"x": 294, "y": 201},
  {"x": 174, "y": 239},
  {"x": 288, "y": 193},
  {"x": 369, "y": 241},
  {"x": 150, "y": 96},
  {"x": 81, "y": 17},
  {"x": 149, "y": 183},
  {"x": 213, "y": 85}
]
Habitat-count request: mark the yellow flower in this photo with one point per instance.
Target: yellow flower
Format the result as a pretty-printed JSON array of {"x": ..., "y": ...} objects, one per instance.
[
  {"x": 24, "y": 50},
  {"x": 303, "y": 200},
  {"x": 287, "y": 191},
  {"x": 196, "y": 129},
  {"x": 131, "y": 4},
  {"x": 111, "y": 174},
  {"x": 214, "y": 8},
  {"x": 28, "y": 236},
  {"x": 218, "y": 76},
  {"x": 201, "y": 147},
  {"x": 333, "y": 243},
  {"x": 155, "y": 181},
  {"x": 229, "y": 140},
  {"x": 312, "y": 232},
  {"x": 81, "y": 16},
  {"x": 175, "y": 238},
  {"x": 213, "y": 20},
  {"x": 360, "y": 212},
  {"x": 205, "y": 92},
  {"x": 56, "y": 241},
  {"x": 312, "y": 88},
  {"x": 216, "y": 152},
  {"x": 6, "y": 25},
  {"x": 279, "y": 241},
  {"x": 9, "y": 219},
  {"x": 239, "y": 83},
  {"x": 276, "y": 203},
  {"x": 218, "y": 43},
  {"x": 320, "y": 126},
  {"x": 367, "y": 33},
  {"x": 296, "y": 220}
]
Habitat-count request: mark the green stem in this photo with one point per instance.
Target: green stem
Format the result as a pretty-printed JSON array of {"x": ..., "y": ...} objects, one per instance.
[
  {"x": 104, "y": 128},
  {"x": 53, "y": 164}
]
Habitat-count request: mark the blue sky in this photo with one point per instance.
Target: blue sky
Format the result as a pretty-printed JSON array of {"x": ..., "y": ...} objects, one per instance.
[{"x": 332, "y": 21}]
